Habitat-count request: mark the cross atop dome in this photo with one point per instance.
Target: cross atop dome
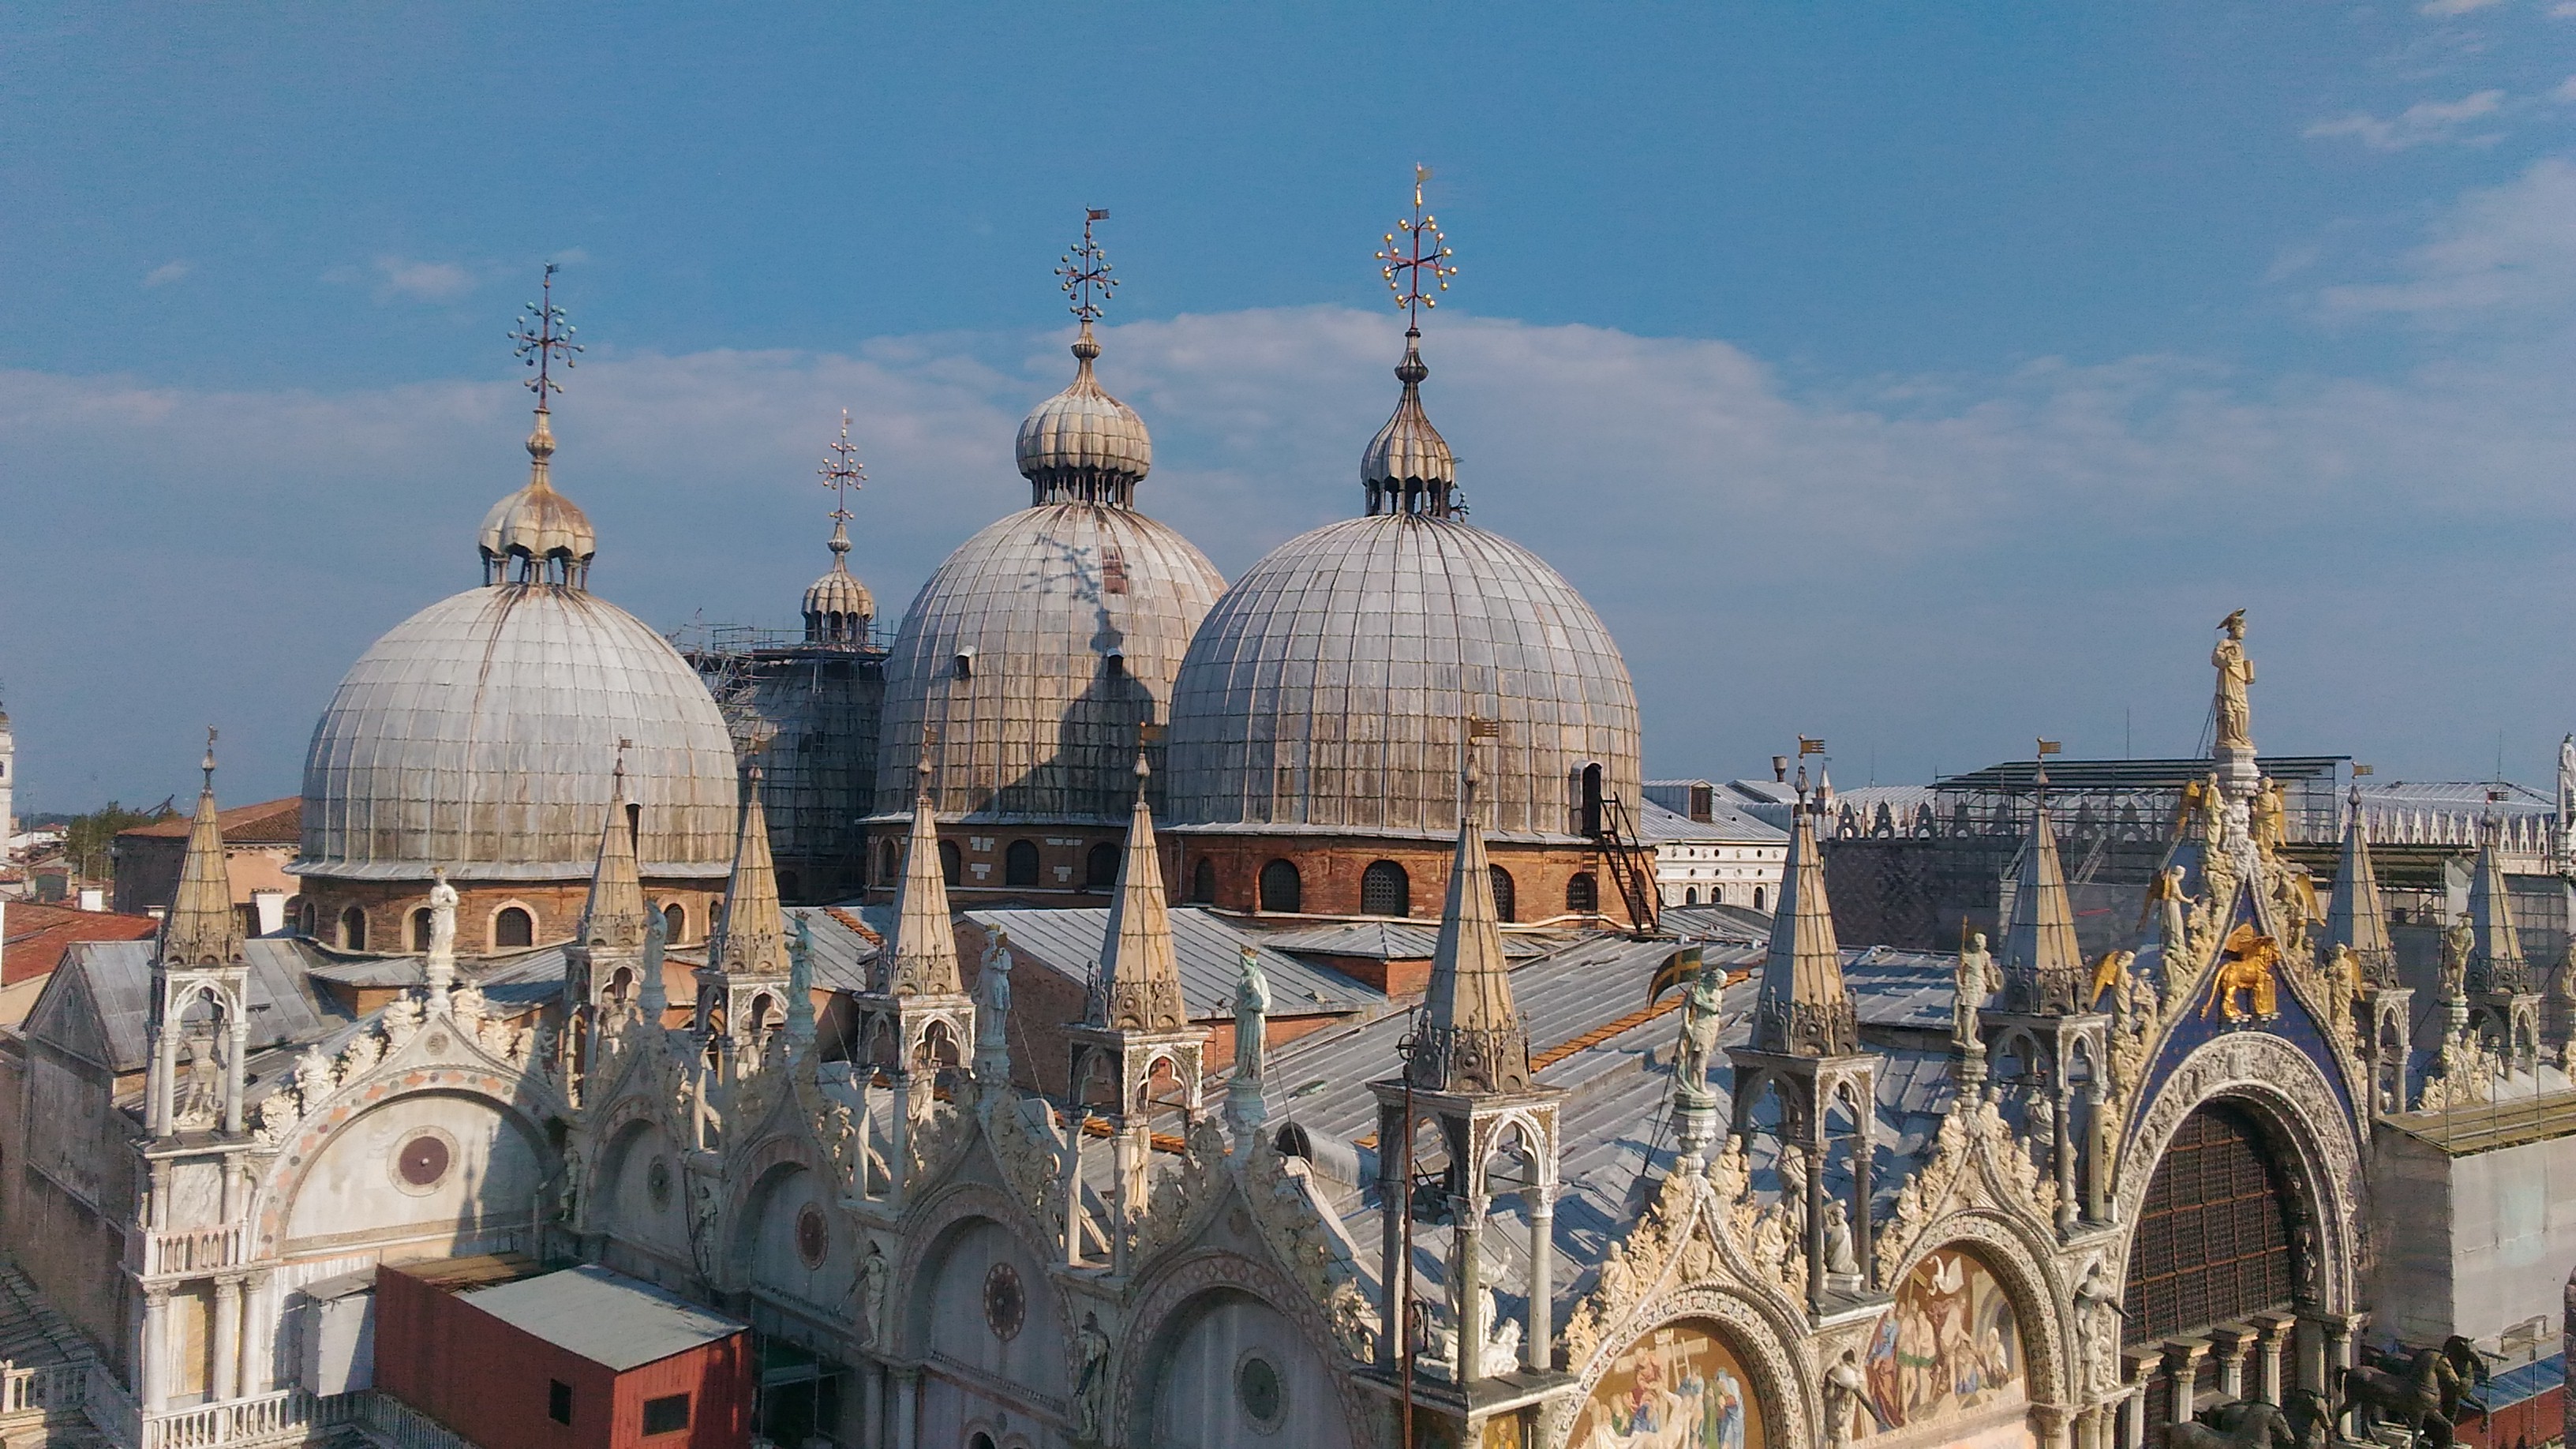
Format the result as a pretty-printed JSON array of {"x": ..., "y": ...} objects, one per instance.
[
  {"x": 1408, "y": 467},
  {"x": 1082, "y": 445},
  {"x": 537, "y": 534},
  {"x": 1086, "y": 272}
]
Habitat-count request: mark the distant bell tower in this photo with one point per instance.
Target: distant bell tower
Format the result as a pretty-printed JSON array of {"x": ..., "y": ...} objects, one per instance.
[{"x": 8, "y": 780}]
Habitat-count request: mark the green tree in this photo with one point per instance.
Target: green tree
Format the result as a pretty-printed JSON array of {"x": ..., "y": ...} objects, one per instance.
[{"x": 90, "y": 840}]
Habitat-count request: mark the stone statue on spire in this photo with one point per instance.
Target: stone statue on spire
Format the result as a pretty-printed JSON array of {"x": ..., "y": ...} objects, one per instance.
[{"x": 2235, "y": 672}]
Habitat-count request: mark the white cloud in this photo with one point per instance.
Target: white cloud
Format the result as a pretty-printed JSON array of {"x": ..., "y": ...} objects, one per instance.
[
  {"x": 2566, "y": 89},
  {"x": 168, "y": 272},
  {"x": 2503, "y": 253},
  {"x": 423, "y": 281},
  {"x": 2452, "y": 7},
  {"x": 2420, "y": 124}
]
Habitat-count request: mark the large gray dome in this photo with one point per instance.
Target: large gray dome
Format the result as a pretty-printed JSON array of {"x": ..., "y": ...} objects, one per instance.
[
  {"x": 1328, "y": 688},
  {"x": 480, "y": 734},
  {"x": 1070, "y": 620}
]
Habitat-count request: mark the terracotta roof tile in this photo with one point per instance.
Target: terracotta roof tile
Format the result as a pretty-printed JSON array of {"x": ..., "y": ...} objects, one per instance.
[
  {"x": 37, "y": 934},
  {"x": 270, "y": 822}
]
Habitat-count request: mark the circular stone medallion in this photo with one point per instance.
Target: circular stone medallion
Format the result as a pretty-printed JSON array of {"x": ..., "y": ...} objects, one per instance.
[
  {"x": 423, "y": 1161},
  {"x": 813, "y": 1236},
  {"x": 1258, "y": 1388},
  {"x": 1006, "y": 1304}
]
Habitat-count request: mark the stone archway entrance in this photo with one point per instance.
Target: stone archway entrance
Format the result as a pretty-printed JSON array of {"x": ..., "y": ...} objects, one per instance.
[{"x": 2215, "y": 1264}]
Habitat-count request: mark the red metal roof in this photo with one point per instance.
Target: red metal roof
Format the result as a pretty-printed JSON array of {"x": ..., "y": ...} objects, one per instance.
[
  {"x": 37, "y": 935},
  {"x": 270, "y": 822}
]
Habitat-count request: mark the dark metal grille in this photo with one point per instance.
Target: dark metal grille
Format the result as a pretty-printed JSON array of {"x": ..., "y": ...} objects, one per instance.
[{"x": 2213, "y": 1241}]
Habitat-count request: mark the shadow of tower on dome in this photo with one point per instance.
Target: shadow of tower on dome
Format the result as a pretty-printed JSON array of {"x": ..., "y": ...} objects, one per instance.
[{"x": 1089, "y": 778}]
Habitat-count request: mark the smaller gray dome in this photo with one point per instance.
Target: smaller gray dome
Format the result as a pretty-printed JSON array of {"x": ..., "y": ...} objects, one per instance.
[{"x": 1082, "y": 445}]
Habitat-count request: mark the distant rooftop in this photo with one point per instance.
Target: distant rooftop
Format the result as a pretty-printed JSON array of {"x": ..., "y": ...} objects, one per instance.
[{"x": 270, "y": 822}]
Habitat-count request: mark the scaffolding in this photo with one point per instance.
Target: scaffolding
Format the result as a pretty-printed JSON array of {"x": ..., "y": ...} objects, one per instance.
[{"x": 808, "y": 714}]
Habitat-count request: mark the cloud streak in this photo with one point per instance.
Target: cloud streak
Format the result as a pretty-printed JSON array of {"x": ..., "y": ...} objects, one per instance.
[{"x": 2424, "y": 123}]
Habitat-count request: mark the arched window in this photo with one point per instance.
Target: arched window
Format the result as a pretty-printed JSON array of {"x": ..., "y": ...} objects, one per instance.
[
  {"x": 951, "y": 864},
  {"x": 513, "y": 927},
  {"x": 1020, "y": 863},
  {"x": 889, "y": 862},
  {"x": 353, "y": 929},
  {"x": 1757, "y": 898},
  {"x": 1100, "y": 867},
  {"x": 1281, "y": 889},
  {"x": 1385, "y": 890},
  {"x": 304, "y": 918},
  {"x": 2214, "y": 1233},
  {"x": 1690, "y": 897},
  {"x": 1582, "y": 894},
  {"x": 675, "y": 922},
  {"x": 1591, "y": 800},
  {"x": 420, "y": 929},
  {"x": 1294, "y": 1141},
  {"x": 1506, "y": 900},
  {"x": 1203, "y": 882}
]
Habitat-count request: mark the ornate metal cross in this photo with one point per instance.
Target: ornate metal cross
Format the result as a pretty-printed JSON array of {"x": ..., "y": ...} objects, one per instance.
[
  {"x": 1086, "y": 271},
  {"x": 543, "y": 336},
  {"x": 843, "y": 471},
  {"x": 1420, "y": 271}
]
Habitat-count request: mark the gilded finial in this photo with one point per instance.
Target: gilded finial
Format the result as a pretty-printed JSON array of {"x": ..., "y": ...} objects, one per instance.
[
  {"x": 842, "y": 472},
  {"x": 1086, "y": 273},
  {"x": 1425, "y": 250}
]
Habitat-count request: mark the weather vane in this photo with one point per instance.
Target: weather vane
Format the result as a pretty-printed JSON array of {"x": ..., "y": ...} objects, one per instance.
[
  {"x": 1086, "y": 272},
  {"x": 543, "y": 335},
  {"x": 843, "y": 471},
  {"x": 1426, "y": 249}
]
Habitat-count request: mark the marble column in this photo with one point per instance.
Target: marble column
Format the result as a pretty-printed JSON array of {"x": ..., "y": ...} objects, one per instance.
[
  {"x": 1393, "y": 1204},
  {"x": 1538, "y": 1348},
  {"x": 240, "y": 1044},
  {"x": 2182, "y": 1364},
  {"x": 2228, "y": 1346},
  {"x": 2053, "y": 1422},
  {"x": 2273, "y": 1332},
  {"x": 907, "y": 1408},
  {"x": 257, "y": 1346},
  {"x": 152, "y": 1377},
  {"x": 226, "y": 1382},
  {"x": 1466, "y": 1270}
]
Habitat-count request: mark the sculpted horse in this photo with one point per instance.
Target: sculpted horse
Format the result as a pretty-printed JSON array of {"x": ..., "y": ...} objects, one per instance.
[
  {"x": 2251, "y": 1424},
  {"x": 2423, "y": 1395},
  {"x": 2309, "y": 1414}
]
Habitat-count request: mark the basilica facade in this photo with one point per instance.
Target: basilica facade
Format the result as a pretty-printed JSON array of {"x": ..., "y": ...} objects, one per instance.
[{"x": 1579, "y": 1184}]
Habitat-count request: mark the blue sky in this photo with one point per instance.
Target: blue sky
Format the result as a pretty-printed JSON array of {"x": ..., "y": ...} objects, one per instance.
[{"x": 1927, "y": 378}]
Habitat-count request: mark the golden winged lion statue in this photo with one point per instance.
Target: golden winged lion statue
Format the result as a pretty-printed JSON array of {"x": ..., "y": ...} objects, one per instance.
[{"x": 2246, "y": 964}]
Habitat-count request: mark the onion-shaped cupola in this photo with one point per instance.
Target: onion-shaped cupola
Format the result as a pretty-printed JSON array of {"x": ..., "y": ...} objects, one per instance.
[
  {"x": 1082, "y": 445},
  {"x": 536, "y": 535},
  {"x": 838, "y": 608},
  {"x": 1408, "y": 467}
]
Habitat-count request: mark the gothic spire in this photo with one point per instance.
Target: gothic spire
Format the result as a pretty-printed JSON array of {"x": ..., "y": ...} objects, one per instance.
[
  {"x": 614, "y": 915},
  {"x": 924, "y": 950},
  {"x": 1471, "y": 1037},
  {"x": 2043, "y": 962},
  {"x": 1140, "y": 988},
  {"x": 1804, "y": 1008},
  {"x": 2355, "y": 916},
  {"x": 751, "y": 939},
  {"x": 202, "y": 929},
  {"x": 2495, "y": 947}
]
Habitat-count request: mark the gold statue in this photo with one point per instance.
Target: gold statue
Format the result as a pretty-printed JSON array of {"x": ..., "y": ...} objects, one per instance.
[
  {"x": 2235, "y": 672},
  {"x": 2245, "y": 964},
  {"x": 2109, "y": 972},
  {"x": 2270, "y": 816}
]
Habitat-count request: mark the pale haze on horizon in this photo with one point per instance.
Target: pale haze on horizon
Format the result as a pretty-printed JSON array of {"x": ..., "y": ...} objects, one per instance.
[{"x": 1924, "y": 382}]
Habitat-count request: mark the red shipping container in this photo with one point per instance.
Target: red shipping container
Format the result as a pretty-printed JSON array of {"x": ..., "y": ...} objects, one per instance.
[{"x": 578, "y": 1359}]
